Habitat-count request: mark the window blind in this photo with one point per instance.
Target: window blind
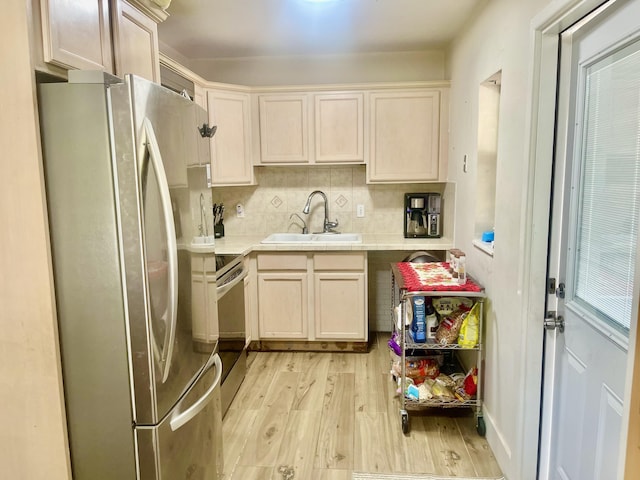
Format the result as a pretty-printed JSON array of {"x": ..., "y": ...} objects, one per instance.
[{"x": 607, "y": 224}]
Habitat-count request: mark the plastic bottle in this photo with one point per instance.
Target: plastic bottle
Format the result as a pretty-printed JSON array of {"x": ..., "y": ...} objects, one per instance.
[
  {"x": 419, "y": 325},
  {"x": 432, "y": 323}
]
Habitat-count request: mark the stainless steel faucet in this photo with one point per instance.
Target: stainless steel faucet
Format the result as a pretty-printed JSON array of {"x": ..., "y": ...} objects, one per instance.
[
  {"x": 305, "y": 230},
  {"x": 328, "y": 226}
]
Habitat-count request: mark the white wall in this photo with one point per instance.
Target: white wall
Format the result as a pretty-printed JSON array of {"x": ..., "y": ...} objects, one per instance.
[
  {"x": 299, "y": 70},
  {"x": 499, "y": 39}
]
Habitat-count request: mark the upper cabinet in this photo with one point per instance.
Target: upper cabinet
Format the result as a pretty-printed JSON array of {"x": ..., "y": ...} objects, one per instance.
[
  {"x": 311, "y": 128},
  {"x": 115, "y": 36},
  {"x": 135, "y": 42},
  {"x": 284, "y": 128},
  {"x": 400, "y": 133},
  {"x": 408, "y": 136},
  {"x": 339, "y": 127},
  {"x": 231, "y": 156},
  {"x": 76, "y": 34}
]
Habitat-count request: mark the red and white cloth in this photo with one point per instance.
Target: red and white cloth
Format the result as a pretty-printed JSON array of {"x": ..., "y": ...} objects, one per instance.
[{"x": 433, "y": 277}]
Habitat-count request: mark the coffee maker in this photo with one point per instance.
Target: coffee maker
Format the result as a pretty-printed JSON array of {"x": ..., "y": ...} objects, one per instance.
[{"x": 422, "y": 215}]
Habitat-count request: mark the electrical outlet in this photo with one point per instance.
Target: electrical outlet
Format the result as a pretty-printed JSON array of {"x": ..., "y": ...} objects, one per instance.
[
  {"x": 240, "y": 210},
  {"x": 360, "y": 210}
]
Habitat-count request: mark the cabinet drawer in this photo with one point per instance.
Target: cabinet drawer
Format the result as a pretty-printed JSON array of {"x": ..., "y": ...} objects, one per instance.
[
  {"x": 284, "y": 261},
  {"x": 339, "y": 261}
]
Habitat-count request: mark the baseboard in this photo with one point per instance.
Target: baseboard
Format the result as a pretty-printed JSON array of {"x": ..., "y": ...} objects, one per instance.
[{"x": 307, "y": 346}]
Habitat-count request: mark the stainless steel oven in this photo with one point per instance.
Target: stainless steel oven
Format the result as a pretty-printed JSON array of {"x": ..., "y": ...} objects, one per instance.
[{"x": 230, "y": 275}]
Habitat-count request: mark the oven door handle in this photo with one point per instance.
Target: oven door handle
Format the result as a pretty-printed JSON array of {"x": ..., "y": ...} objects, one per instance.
[{"x": 224, "y": 288}]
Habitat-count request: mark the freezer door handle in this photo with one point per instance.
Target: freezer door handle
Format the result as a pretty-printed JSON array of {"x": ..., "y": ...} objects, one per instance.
[{"x": 179, "y": 418}]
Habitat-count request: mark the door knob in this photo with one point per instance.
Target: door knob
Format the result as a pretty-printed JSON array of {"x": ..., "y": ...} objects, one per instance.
[{"x": 553, "y": 321}]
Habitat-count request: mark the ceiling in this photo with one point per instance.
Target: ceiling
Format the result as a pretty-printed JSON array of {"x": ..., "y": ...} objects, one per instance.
[{"x": 208, "y": 29}]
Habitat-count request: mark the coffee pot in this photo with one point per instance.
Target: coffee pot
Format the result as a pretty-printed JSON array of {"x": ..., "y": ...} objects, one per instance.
[{"x": 422, "y": 215}]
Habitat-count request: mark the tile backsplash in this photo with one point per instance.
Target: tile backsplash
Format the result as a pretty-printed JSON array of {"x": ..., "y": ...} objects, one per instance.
[{"x": 282, "y": 191}]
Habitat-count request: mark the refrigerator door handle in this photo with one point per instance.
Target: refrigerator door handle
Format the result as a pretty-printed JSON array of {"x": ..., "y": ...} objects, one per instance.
[
  {"x": 151, "y": 144},
  {"x": 180, "y": 418}
]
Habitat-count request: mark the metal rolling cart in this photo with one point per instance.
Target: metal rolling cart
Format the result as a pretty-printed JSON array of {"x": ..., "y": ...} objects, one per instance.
[{"x": 403, "y": 291}]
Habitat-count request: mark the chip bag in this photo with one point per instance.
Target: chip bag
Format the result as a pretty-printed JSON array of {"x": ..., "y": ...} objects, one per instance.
[{"x": 469, "y": 330}]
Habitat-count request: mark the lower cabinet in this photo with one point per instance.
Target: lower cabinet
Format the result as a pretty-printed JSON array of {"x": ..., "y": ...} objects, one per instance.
[
  {"x": 204, "y": 299},
  {"x": 312, "y": 296},
  {"x": 283, "y": 296},
  {"x": 339, "y": 305},
  {"x": 283, "y": 305}
]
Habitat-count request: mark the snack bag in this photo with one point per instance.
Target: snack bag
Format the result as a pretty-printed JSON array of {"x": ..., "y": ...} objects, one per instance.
[
  {"x": 440, "y": 391},
  {"x": 469, "y": 330},
  {"x": 424, "y": 391},
  {"x": 446, "y": 380},
  {"x": 471, "y": 382},
  {"x": 449, "y": 328},
  {"x": 461, "y": 395},
  {"x": 418, "y": 370}
]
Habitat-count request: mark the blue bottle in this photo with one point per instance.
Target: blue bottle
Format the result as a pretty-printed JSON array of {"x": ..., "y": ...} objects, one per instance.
[{"x": 419, "y": 323}]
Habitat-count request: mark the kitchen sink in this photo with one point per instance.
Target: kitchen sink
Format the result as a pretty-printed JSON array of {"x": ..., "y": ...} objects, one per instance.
[
  {"x": 338, "y": 237},
  {"x": 313, "y": 238}
]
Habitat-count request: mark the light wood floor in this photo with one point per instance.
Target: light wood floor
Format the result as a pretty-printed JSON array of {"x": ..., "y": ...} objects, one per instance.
[{"x": 322, "y": 416}]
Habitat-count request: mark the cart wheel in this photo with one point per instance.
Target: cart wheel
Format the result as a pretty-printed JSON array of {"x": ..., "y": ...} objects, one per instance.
[
  {"x": 405, "y": 423},
  {"x": 481, "y": 427}
]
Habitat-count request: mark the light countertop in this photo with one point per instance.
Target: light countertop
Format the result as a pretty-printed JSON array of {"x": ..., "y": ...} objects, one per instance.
[{"x": 244, "y": 244}]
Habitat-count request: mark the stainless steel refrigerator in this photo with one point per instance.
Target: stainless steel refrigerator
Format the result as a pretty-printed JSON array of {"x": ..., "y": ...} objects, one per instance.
[{"x": 141, "y": 401}]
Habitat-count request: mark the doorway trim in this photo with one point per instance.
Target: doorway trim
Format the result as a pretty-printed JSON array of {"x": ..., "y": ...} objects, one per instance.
[{"x": 545, "y": 30}]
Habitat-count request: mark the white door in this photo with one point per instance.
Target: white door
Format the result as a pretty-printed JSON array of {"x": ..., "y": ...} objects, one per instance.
[{"x": 592, "y": 251}]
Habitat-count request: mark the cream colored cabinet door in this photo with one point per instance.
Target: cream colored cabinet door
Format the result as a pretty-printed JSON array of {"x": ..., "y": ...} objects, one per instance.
[
  {"x": 135, "y": 43},
  {"x": 405, "y": 137},
  {"x": 340, "y": 296},
  {"x": 231, "y": 156},
  {"x": 284, "y": 128},
  {"x": 340, "y": 300},
  {"x": 336, "y": 308},
  {"x": 204, "y": 299},
  {"x": 203, "y": 156},
  {"x": 283, "y": 305},
  {"x": 76, "y": 35},
  {"x": 339, "y": 127}
]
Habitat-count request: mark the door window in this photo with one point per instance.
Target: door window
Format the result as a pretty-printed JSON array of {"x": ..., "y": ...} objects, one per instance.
[{"x": 607, "y": 224}]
